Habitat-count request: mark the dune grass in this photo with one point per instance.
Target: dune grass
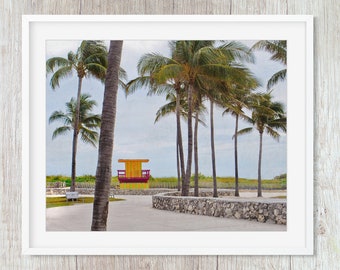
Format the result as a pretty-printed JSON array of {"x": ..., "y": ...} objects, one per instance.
[
  {"x": 87, "y": 181},
  {"x": 222, "y": 182}
]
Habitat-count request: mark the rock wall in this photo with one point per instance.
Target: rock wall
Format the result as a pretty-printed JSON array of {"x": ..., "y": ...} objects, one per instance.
[{"x": 259, "y": 209}]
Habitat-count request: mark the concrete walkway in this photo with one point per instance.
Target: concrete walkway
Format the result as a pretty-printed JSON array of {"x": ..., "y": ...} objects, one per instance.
[{"x": 136, "y": 214}]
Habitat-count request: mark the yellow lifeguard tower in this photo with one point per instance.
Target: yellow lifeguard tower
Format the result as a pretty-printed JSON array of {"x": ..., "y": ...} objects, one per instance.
[{"x": 133, "y": 177}]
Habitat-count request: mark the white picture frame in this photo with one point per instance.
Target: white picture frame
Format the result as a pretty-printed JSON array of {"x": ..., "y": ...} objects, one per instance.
[{"x": 297, "y": 30}]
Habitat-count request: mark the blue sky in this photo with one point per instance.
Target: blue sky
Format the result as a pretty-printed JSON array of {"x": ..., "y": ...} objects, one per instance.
[{"x": 136, "y": 135}]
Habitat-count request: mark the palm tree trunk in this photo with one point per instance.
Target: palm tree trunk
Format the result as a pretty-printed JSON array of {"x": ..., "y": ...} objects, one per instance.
[
  {"x": 75, "y": 137},
  {"x": 196, "y": 153},
  {"x": 180, "y": 154},
  {"x": 259, "y": 186},
  {"x": 237, "y": 194},
  {"x": 212, "y": 144},
  {"x": 185, "y": 188},
  {"x": 104, "y": 167},
  {"x": 178, "y": 165}
]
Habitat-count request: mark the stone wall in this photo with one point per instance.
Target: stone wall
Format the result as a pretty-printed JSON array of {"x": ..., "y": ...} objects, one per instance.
[{"x": 258, "y": 209}]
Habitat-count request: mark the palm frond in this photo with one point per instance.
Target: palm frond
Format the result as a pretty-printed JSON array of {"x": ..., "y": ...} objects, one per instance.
[
  {"x": 89, "y": 136},
  {"x": 60, "y": 116},
  {"x": 96, "y": 71},
  {"x": 165, "y": 110},
  {"x": 72, "y": 57},
  {"x": 204, "y": 55},
  {"x": 279, "y": 124},
  {"x": 170, "y": 71},
  {"x": 245, "y": 131},
  {"x": 122, "y": 74},
  {"x": 232, "y": 109},
  {"x": 235, "y": 50},
  {"x": 61, "y": 73},
  {"x": 278, "y": 76},
  {"x": 88, "y": 48},
  {"x": 274, "y": 134},
  {"x": 222, "y": 72},
  {"x": 56, "y": 62},
  {"x": 97, "y": 57},
  {"x": 278, "y": 49},
  {"x": 137, "y": 83},
  {"x": 92, "y": 121},
  {"x": 61, "y": 131},
  {"x": 161, "y": 89},
  {"x": 151, "y": 62}
]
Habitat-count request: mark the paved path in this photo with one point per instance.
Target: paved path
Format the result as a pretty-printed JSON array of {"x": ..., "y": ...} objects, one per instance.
[{"x": 136, "y": 214}]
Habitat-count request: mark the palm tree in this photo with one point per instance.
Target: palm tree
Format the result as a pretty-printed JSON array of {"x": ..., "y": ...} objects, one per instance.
[
  {"x": 148, "y": 66},
  {"x": 193, "y": 64},
  {"x": 174, "y": 106},
  {"x": 90, "y": 60},
  {"x": 171, "y": 107},
  {"x": 235, "y": 101},
  {"x": 267, "y": 116},
  {"x": 199, "y": 111},
  {"x": 87, "y": 125},
  {"x": 180, "y": 68},
  {"x": 104, "y": 167},
  {"x": 228, "y": 55},
  {"x": 235, "y": 104},
  {"x": 278, "y": 49}
]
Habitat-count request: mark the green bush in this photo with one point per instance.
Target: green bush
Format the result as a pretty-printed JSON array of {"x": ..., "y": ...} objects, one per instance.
[{"x": 84, "y": 180}]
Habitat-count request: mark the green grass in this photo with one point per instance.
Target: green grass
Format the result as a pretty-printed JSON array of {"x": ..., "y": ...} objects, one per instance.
[
  {"x": 222, "y": 182},
  {"x": 278, "y": 182},
  {"x": 280, "y": 197},
  {"x": 82, "y": 181},
  {"x": 61, "y": 201}
]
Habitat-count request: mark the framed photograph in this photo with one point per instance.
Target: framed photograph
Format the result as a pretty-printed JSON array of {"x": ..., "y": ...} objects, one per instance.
[{"x": 213, "y": 135}]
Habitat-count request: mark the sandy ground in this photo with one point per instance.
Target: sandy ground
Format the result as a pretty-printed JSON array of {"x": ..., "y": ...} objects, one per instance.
[{"x": 135, "y": 213}]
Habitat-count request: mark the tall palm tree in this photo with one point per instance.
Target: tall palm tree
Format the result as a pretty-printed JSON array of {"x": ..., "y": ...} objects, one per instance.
[
  {"x": 267, "y": 116},
  {"x": 104, "y": 167},
  {"x": 148, "y": 66},
  {"x": 199, "y": 111},
  {"x": 193, "y": 63},
  {"x": 229, "y": 55},
  {"x": 171, "y": 107},
  {"x": 90, "y": 60},
  {"x": 237, "y": 101},
  {"x": 175, "y": 105},
  {"x": 87, "y": 125},
  {"x": 181, "y": 67},
  {"x": 278, "y": 49}
]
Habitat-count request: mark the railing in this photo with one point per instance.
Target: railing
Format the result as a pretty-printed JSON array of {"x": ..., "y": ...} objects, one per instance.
[
  {"x": 145, "y": 175},
  {"x": 121, "y": 173}
]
